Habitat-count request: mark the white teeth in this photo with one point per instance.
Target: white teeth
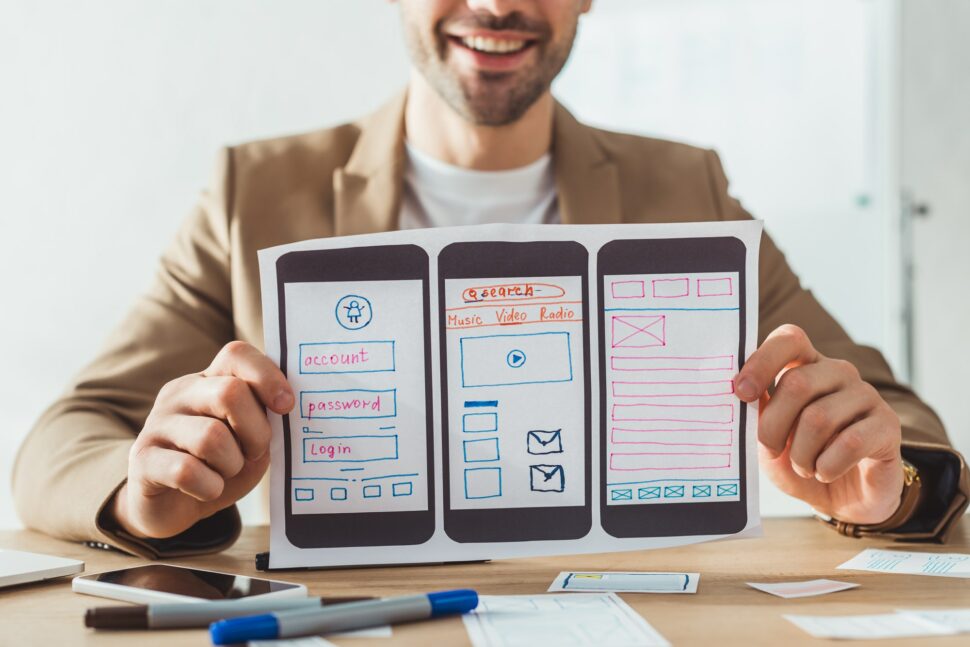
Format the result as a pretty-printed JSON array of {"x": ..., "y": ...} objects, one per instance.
[{"x": 492, "y": 45}]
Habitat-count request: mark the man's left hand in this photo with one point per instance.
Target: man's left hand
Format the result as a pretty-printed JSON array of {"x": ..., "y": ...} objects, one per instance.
[{"x": 825, "y": 436}]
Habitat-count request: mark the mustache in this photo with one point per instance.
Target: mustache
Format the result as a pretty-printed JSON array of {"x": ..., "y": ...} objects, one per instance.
[{"x": 514, "y": 21}]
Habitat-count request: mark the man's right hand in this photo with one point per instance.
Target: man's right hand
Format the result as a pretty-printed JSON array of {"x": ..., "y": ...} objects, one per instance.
[{"x": 205, "y": 443}]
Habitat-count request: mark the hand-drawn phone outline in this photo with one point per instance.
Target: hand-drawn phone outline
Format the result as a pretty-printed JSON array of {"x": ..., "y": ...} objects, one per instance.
[
  {"x": 488, "y": 260},
  {"x": 378, "y": 263},
  {"x": 669, "y": 256}
]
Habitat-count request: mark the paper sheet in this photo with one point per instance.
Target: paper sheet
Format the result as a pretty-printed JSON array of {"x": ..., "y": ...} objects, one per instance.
[
  {"x": 910, "y": 563},
  {"x": 502, "y": 391},
  {"x": 804, "y": 589},
  {"x": 626, "y": 582},
  {"x": 956, "y": 619},
  {"x": 888, "y": 625},
  {"x": 601, "y": 619}
]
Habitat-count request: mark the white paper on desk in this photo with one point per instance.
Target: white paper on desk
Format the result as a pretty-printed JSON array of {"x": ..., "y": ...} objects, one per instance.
[
  {"x": 804, "y": 589},
  {"x": 626, "y": 582},
  {"x": 887, "y": 625},
  {"x": 446, "y": 418},
  {"x": 601, "y": 619},
  {"x": 956, "y": 619},
  {"x": 910, "y": 563}
]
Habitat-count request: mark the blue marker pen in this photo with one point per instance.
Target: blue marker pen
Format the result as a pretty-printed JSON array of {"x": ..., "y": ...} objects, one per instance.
[{"x": 342, "y": 617}]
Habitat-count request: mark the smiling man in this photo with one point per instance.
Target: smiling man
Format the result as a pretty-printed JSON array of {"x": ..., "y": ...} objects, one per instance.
[{"x": 155, "y": 441}]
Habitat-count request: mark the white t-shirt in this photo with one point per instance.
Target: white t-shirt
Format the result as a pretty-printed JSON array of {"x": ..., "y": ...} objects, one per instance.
[{"x": 437, "y": 194}]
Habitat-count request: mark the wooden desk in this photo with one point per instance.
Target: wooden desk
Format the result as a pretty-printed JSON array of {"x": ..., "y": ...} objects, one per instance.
[{"x": 723, "y": 612}]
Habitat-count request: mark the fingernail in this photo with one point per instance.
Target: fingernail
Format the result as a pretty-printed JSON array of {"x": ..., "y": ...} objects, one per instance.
[
  {"x": 745, "y": 389},
  {"x": 283, "y": 401}
]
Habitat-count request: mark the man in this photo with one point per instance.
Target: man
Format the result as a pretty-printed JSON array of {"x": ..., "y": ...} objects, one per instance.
[{"x": 150, "y": 448}]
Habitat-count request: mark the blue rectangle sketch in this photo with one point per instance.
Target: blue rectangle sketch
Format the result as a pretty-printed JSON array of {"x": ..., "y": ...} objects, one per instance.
[
  {"x": 347, "y": 357},
  {"x": 372, "y": 491},
  {"x": 625, "y": 494},
  {"x": 402, "y": 489},
  {"x": 539, "y": 441},
  {"x": 727, "y": 489},
  {"x": 348, "y": 404},
  {"x": 350, "y": 449},
  {"x": 474, "y": 423},
  {"x": 483, "y": 482},
  {"x": 304, "y": 494},
  {"x": 649, "y": 492},
  {"x": 673, "y": 491},
  {"x": 701, "y": 490},
  {"x": 482, "y": 450},
  {"x": 338, "y": 494},
  {"x": 505, "y": 360},
  {"x": 547, "y": 478}
]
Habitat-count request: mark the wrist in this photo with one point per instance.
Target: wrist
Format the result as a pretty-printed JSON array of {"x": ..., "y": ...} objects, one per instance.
[{"x": 117, "y": 514}]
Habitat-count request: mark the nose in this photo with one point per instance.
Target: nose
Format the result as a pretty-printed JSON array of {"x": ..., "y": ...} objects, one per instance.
[{"x": 495, "y": 7}]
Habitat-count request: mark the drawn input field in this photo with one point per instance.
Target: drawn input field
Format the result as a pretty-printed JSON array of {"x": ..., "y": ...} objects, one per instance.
[
  {"x": 671, "y": 288},
  {"x": 627, "y": 289},
  {"x": 672, "y": 389},
  {"x": 641, "y": 461},
  {"x": 347, "y": 357},
  {"x": 474, "y": 423},
  {"x": 348, "y": 403},
  {"x": 692, "y": 437},
  {"x": 350, "y": 449},
  {"x": 705, "y": 413},
  {"x": 709, "y": 363},
  {"x": 720, "y": 287},
  {"x": 507, "y": 360}
]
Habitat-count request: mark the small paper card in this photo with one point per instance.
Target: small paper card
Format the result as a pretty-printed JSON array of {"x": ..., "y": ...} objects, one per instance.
[
  {"x": 887, "y": 625},
  {"x": 910, "y": 563},
  {"x": 626, "y": 582},
  {"x": 801, "y": 589}
]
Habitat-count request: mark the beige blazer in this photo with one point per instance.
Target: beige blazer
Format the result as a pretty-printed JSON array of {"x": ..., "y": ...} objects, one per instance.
[{"x": 348, "y": 180}]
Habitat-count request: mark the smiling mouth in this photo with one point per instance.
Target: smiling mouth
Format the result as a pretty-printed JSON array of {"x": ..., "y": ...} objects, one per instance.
[{"x": 492, "y": 46}]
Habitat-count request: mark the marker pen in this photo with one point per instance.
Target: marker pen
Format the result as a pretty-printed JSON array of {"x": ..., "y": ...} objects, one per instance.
[{"x": 342, "y": 617}]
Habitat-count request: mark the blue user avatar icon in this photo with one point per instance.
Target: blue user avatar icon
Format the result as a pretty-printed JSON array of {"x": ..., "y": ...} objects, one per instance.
[
  {"x": 515, "y": 358},
  {"x": 353, "y": 312}
]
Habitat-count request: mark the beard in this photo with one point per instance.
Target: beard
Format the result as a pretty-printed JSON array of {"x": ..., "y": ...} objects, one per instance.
[{"x": 489, "y": 98}]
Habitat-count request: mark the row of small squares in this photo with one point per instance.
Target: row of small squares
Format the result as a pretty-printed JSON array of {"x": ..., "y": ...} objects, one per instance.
[
  {"x": 404, "y": 488},
  {"x": 673, "y": 492}
]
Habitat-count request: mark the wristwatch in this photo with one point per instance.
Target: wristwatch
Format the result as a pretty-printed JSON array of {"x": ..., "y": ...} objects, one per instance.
[{"x": 908, "y": 503}]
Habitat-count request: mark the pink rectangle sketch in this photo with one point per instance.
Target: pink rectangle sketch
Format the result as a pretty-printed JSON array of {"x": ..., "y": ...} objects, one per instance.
[
  {"x": 641, "y": 461},
  {"x": 723, "y": 287},
  {"x": 672, "y": 389},
  {"x": 710, "y": 363},
  {"x": 685, "y": 437},
  {"x": 627, "y": 289},
  {"x": 708, "y": 413},
  {"x": 671, "y": 288}
]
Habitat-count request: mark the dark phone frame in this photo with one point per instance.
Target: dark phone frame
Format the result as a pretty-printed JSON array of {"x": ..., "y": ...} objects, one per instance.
[
  {"x": 486, "y": 260},
  {"x": 662, "y": 256},
  {"x": 226, "y": 583},
  {"x": 377, "y": 263}
]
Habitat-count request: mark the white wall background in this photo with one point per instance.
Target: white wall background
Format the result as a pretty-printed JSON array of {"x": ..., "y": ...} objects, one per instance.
[{"x": 112, "y": 112}]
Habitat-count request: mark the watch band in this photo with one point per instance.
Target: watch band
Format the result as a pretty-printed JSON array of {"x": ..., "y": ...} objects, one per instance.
[{"x": 909, "y": 502}]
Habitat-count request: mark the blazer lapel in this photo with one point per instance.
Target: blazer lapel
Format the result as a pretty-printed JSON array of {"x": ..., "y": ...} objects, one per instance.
[
  {"x": 586, "y": 177},
  {"x": 367, "y": 191}
]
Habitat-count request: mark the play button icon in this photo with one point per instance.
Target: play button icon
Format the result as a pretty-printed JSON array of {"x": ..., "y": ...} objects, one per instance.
[{"x": 515, "y": 358}]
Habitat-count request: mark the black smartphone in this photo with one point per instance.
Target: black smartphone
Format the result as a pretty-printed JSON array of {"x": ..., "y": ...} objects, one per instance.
[
  {"x": 516, "y": 427},
  {"x": 672, "y": 436},
  {"x": 359, "y": 442}
]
